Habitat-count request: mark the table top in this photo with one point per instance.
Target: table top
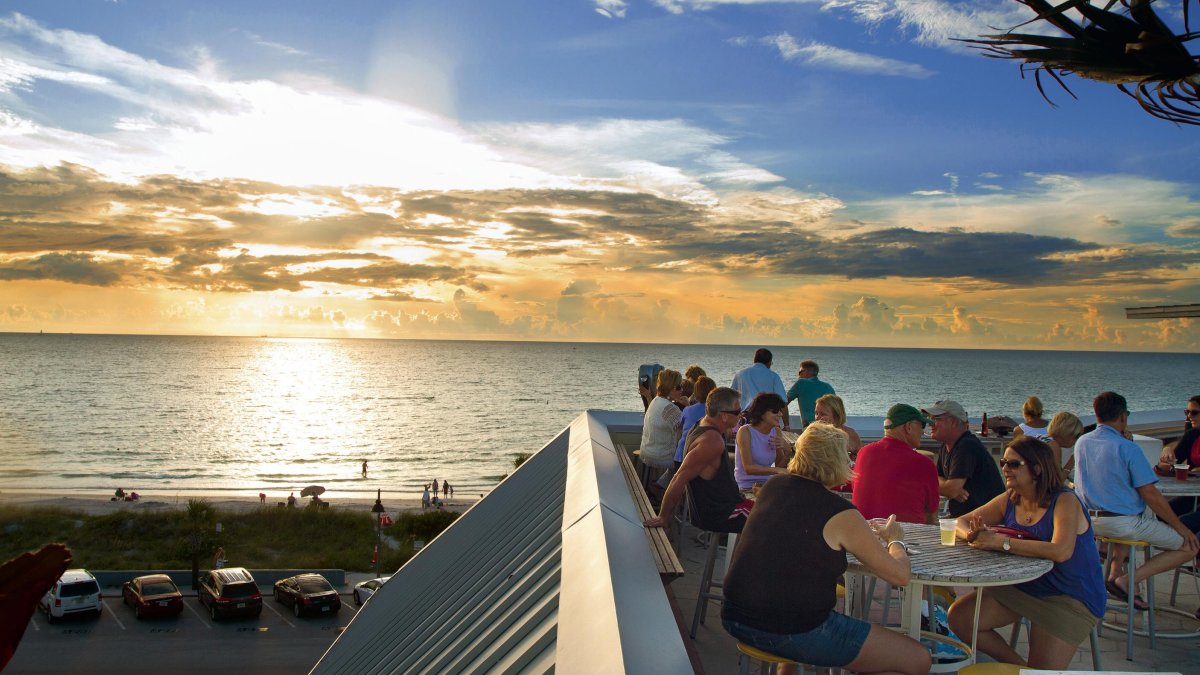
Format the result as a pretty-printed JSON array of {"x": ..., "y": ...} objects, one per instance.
[
  {"x": 960, "y": 564},
  {"x": 1179, "y": 488}
]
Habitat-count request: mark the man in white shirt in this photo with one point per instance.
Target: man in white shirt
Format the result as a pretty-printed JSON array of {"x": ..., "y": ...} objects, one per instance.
[{"x": 759, "y": 377}]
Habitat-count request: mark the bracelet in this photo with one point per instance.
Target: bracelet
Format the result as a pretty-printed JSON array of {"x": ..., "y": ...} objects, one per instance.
[{"x": 898, "y": 541}]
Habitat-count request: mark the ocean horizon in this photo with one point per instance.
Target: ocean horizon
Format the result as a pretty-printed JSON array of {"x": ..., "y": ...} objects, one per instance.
[{"x": 86, "y": 413}]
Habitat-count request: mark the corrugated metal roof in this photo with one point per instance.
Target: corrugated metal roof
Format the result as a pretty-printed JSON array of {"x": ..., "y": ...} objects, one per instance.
[{"x": 496, "y": 591}]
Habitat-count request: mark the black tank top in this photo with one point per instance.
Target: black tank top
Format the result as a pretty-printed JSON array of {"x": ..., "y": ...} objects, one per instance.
[
  {"x": 713, "y": 500},
  {"x": 783, "y": 576}
]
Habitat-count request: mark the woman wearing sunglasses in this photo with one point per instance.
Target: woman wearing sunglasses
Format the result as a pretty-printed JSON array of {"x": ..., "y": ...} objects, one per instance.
[{"x": 1040, "y": 518}]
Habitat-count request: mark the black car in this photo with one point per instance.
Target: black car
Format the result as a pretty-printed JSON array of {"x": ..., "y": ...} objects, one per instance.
[
  {"x": 308, "y": 594},
  {"x": 230, "y": 592}
]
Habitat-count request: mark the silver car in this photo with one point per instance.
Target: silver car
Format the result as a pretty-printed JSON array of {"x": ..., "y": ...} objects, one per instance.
[
  {"x": 75, "y": 593},
  {"x": 363, "y": 590}
]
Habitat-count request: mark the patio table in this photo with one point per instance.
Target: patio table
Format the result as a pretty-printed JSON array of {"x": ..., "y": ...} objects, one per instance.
[{"x": 933, "y": 564}]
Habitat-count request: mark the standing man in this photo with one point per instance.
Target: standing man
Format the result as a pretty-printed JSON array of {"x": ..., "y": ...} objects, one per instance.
[
  {"x": 807, "y": 390},
  {"x": 891, "y": 477},
  {"x": 759, "y": 377},
  {"x": 1117, "y": 486},
  {"x": 968, "y": 477},
  {"x": 707, "y": 473}
]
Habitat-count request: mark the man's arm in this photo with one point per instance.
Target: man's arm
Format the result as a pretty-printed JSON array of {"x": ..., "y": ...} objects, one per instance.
[
  {"x": 699, "y": 456},
  {"x": 952, "y": 488},
  {"x": 1158, "y": 504}
]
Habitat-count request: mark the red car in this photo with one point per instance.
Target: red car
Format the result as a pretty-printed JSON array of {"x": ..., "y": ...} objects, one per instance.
[{"x": 153, "y": 595}]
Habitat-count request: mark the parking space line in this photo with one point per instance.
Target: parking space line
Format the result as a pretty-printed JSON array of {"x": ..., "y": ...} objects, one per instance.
[
  {"x": 113, "y": 614},
  {"x": 268, "y": 606},
  {"x": 198, "y": 615}
]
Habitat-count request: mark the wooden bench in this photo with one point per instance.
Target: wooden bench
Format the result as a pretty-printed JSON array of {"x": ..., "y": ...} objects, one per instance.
[{"x": 669, "y": 567}]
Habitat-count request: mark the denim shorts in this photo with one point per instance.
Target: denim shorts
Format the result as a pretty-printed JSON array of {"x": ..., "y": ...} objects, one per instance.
[{"x": 836, "y": 642}]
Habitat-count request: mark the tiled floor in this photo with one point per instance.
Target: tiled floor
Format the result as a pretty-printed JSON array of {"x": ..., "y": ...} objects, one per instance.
[{"x": 718, "y": 654}]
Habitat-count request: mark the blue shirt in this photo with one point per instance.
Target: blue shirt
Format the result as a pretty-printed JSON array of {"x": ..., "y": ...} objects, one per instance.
[
  {"x": 1109, "y": 469},
  {"x": 806, "y": 391},
  {"x": 752, "y": 381},
  {"x": 691, "y": 414}
]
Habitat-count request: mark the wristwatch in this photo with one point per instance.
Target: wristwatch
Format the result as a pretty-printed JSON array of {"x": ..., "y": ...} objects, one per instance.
[{"x": 1007, "y": 546}]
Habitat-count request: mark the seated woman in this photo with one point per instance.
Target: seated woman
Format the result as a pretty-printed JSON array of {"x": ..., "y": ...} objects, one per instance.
[
  {"x": 761, "y": 450},
  {"x": 660, "y": 427},
  {"x": 1033, "y": 426},
  {"x": 1062, "y": 605},
  {"x": 781, "y": 587},
  {"x": 1065, "y": 428},
  {"x": 1186, "y": 450},
  {"x": 830, "y": 410}
]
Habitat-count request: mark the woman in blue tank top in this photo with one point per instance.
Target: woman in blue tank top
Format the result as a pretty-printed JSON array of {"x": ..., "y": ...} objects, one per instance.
[{"x": 1064, "y": 604}]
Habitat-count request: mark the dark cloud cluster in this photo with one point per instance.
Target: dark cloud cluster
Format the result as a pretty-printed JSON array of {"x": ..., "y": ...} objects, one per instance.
[{"x": 72, "y": 224}]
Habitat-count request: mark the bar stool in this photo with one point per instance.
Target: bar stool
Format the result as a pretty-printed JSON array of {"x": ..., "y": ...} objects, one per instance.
[
  {"x": 1131, "y": 570},
  {"x": 768, "y": 661},
  {"x": 992, "y": 668},
  {"x": 1093, "y": 638},
  {"x": 1189, "y": 569},
  {"x": 706, "y": 581}
]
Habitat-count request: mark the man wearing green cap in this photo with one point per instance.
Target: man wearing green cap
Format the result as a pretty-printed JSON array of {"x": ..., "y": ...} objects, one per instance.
[{"x": 891, "y": 477}]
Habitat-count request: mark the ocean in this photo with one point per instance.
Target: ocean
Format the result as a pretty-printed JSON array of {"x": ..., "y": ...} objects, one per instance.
[{"x": 178, "y": 416}]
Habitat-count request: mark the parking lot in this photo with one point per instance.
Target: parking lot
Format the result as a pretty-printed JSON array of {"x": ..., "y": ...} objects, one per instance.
[{"x": 275, "y": 642}]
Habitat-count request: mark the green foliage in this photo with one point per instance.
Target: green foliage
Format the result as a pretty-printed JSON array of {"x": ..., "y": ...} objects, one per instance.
[
  {"x": 267, "y": 537},
  {"x": 519, "y": 458}
]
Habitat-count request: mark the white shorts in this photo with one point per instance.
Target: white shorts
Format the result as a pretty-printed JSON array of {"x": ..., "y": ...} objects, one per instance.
[{"x": 1145, "y": 527}]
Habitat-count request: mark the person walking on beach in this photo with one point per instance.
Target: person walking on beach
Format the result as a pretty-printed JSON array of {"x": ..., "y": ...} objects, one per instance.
[
  {"x": 364, "y": 468},
  {"x": 967, "y": 475},
  {"x": 890, "y": 477},
  {"x": 292, "y": 500},
  {"x": 807, "y": 389},
  {"x": 435, "y": 486},
  {"x": 445, "y": 489},
  {"x": 754, "y": 380},
  {"x": 425, "y": 498},
  {"x": 1117, "y": 486}
]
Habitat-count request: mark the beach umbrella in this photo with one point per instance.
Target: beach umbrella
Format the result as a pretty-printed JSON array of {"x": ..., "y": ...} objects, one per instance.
[{"x": 312, "y": 491}]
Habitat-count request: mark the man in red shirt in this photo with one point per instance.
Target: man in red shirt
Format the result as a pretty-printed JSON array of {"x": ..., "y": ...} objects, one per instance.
[{"x": 893, "y": 478}]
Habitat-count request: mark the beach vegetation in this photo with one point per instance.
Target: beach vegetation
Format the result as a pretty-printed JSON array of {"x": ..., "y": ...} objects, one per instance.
[{"x": 268, "y": 537}]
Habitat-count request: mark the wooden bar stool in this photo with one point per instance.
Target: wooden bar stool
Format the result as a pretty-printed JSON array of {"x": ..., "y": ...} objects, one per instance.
[{"x": 1131, "y": 570}]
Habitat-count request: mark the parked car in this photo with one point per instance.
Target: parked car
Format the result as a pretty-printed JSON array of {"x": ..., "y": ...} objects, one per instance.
[
  {"x": 308, "y": 594},
  {"x": 365, "y": 590},
  {"x": 76, "y": 592},
  {"x": 229, "y": 592},
  {"x": 152, "y": 595}
]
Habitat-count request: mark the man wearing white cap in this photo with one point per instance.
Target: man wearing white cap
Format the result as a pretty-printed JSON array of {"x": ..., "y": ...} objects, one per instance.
[{"x": 967, "y": 475}]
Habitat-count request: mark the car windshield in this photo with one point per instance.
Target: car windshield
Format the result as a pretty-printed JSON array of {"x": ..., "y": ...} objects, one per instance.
[
  {"x": 242, "y": 590},
  {"x": 158, "y": 588},
  {"x": 314, "y": 585},
  {"x": 78, "y": 588}
]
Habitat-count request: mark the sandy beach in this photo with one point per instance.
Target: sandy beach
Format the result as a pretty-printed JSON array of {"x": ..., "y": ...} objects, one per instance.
[{"x": 102, "y": 504}]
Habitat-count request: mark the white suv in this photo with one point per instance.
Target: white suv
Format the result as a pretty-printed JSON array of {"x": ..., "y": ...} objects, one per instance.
[{"x": 77, "y": 592}]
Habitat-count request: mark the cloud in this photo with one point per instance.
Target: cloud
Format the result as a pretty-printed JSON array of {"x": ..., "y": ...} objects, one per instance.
[
  {"x": 1187, "y": 229},
  {"x": 835, "y": 58},
  {"x": 613, "y": 9},
  {"x": 75, "y": 268}
]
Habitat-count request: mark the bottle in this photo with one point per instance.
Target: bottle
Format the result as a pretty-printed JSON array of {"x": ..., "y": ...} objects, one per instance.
[{"x": 983, "y": 427}]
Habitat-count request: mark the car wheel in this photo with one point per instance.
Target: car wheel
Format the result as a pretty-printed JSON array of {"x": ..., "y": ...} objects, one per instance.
[
  {"x": 357, "y": 599},
  {"x": 50, "y": 618},
  {"x": 137, "y": 611},
  {"x": 296, "y": 609},
  {"x": 212, "y": 612},
  {"x": 278, "y": 596}
]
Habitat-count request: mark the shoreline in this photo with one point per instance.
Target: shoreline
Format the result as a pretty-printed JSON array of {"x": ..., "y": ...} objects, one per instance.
[{"x": 93, "y": 504}]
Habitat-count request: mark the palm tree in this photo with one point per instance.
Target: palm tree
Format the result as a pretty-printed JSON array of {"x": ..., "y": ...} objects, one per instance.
[
  {"x": 1134, "y": 50},
  {"x": 199, "y": 516}
]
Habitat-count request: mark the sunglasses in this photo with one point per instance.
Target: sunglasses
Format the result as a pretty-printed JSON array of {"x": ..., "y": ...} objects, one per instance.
[
  {"x": 731, "y": 412},
  {"x": 1191, "y": 413},
  {"x": 1013, "y": 464}
]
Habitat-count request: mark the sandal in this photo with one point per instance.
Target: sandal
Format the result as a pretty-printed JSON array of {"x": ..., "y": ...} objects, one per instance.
[{"x": 1123, "y": 595}]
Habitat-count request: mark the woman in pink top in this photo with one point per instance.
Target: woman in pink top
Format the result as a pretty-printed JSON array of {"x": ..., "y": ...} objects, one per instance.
[{"x": 761, "y": 451}]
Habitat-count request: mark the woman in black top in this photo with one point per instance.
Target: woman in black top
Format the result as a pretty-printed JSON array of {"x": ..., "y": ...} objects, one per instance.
[{"x": 781, "y": 587}]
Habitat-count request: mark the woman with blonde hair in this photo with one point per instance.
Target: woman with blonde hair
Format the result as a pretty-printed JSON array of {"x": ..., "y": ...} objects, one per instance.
[
  {"x": 1033, "y": 426},
  {"x": 1064, "y": 429},
  {"x": 830, "y": 410},
  {"x": 661, "y": 425},
  {"x": 798, "y": 524}
]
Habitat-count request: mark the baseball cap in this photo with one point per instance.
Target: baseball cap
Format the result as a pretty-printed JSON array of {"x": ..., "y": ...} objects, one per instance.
[
  {"x": 946, "y": 407},
  {"x": 902, "y": 413}
]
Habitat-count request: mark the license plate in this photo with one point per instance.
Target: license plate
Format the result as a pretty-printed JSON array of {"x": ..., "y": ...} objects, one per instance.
[
  {"x": 325, "y": 609},
  {"x": 163, "y": 603},
  {"x": 241, "y": 605}
]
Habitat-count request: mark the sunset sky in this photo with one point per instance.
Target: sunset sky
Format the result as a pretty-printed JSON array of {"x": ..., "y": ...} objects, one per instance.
[{"x": 788, "y": 172}]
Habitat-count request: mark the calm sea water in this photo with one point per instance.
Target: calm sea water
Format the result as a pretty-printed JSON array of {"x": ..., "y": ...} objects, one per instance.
[{"x": 168, "y": 415}]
